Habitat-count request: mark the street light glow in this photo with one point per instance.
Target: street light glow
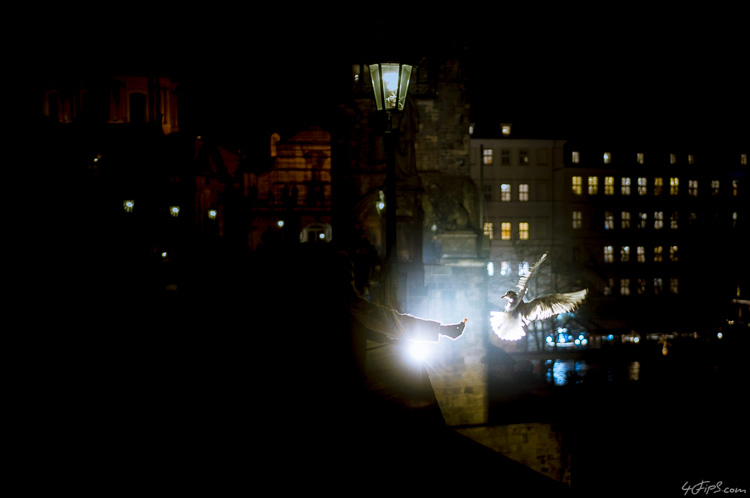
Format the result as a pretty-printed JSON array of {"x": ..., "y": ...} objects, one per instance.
[{"x": 418, "y": 350}]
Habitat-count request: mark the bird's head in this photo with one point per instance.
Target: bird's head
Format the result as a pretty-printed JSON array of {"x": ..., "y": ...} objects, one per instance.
[{"x": 511, "y": 296}]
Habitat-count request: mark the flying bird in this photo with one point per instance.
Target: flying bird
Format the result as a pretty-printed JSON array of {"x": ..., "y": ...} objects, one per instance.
[{"x": 509, "y": 324}]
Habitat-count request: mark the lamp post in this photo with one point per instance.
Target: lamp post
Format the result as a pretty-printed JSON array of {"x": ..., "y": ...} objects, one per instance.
[{"x": 390, "y": 84}]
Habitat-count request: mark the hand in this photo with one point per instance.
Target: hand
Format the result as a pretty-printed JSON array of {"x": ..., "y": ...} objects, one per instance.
[{"x": 453, "y": 330}]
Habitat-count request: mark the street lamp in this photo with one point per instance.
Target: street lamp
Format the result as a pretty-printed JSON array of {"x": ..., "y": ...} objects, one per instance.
[{"x": 390, "y": 84}]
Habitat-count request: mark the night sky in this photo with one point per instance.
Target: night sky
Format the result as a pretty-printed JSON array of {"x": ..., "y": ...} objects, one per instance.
[{"x": 567, "y": 73}]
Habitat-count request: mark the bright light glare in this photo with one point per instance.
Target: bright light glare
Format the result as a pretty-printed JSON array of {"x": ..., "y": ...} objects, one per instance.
[
  {"x": 418, "y": 351},
  {"x": 390, "y": 79}
]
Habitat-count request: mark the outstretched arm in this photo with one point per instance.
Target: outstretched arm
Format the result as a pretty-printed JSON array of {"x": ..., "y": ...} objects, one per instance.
[{"x": 395, "y": 325}]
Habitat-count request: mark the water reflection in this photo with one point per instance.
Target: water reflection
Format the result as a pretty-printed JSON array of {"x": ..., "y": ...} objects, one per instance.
[{"x": 560, "y": 372}]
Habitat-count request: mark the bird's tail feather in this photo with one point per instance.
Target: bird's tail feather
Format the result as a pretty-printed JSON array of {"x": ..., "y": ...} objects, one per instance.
[{"x": 507, "y": 326}]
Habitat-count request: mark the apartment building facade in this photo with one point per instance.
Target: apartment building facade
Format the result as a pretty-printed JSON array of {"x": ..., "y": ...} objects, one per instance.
[{"x": 649, "y": 230}]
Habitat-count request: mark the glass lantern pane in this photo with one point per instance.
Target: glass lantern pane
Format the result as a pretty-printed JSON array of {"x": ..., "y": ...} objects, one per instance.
[
  {"x": 404, "y": 85},
  {"x": 376, "y": 87},
  {"x": 390, "y": 79}
]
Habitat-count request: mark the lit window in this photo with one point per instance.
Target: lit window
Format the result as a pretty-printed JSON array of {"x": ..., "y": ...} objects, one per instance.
[
  {"x": 523, "y": 192},
  {"x": 505, "y": 192},
  {"x": 639, "y": 157},
  {"x": 625, "y": 220},
  {"x": 658, "y": 219},
  {"x": 673, "y": 224},
  {"x": 523, "y": 230},
  {"x": 642, "y": 186},
  {"x": 609, "y": 255},
  {"x": 577, "y": 219},
  {"x": 609, "y": 185},
  {"x": 593, "y": 185},
  {"x": 505, "y": 230},
  {"x": 735, "y": 188},
  {"x": 658, "y": 285},
  {"x": 488, "y": 230},
  {"x": 504, "y": 268},
  {"x": 128, "y": 206},
  {"x": 672, "y": 158},
  {"x": 523, "y": 157},
  {"x": 487, "y": 156},
  {"x": 576, "y": 157},
  {"x": 714, "y": 187},
  {"x": 734, "y": 219},
  {"x": 658, "y": 186},
  {"x": 625, "y": 287},
  {"x": 608, "y": 287},
  {"x": 506, "y": 130},
  {"x": 211, "y": 214},
  {"x": 691, "y": 159},
  {"x": 674, "y": 286},
  {"x": 642, "y": 220},
  {"x": 625, "y": 186},
  {"x": 625, "y": 254},
  {"x": 674, "y": 186},
  {"x": 743, "y": 159},
  {"x": 673, "y": 253},
  {"x": 693, "y": 188},
  {"x": 523, "y": 269},
  {"x": 641, "y": 289},
  {"x": 609, "y": 220},
  {"x": 577, "y": 184},
  {"x": 607, "y": 158},
  {"x": 658, "y": 254},
  {"x": 640, "y": 252},
  {"x": 505, "y": 157},
  {"x": 174, "y": 211}
]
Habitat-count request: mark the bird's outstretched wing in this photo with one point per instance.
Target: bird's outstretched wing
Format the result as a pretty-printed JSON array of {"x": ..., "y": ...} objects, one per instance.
[
  {"x": 507, "y": 326},
  {"x": 524, "y": 281},
  {"x": 551, "y": 305}
]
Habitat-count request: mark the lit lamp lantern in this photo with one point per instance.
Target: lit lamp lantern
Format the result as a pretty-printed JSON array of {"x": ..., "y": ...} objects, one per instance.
[{"x": 390, "y": 82}]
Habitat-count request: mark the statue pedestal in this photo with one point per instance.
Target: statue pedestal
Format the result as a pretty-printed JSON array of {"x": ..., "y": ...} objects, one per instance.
[{"x": 460, "y": 244}]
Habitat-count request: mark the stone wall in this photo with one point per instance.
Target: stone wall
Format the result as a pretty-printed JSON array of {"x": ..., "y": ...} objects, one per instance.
[
  {"x": 536, "y": 445},
  {"x": 455, "y": 289}
]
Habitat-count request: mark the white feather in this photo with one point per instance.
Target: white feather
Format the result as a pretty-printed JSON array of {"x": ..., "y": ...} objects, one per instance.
[{"x": 507, "y": 326}]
